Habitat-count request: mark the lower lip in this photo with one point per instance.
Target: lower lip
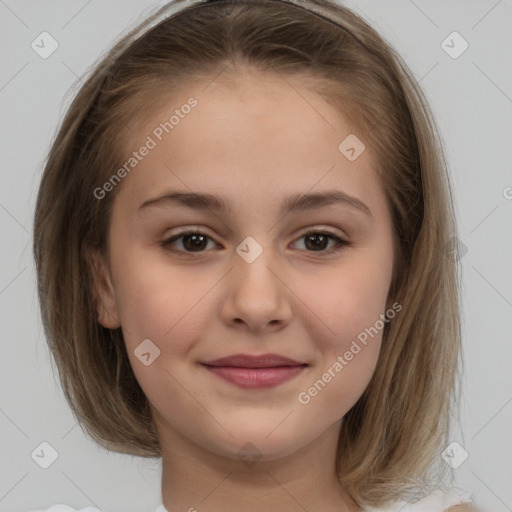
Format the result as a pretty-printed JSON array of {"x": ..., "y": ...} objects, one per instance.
[{"x": 256, "y": 378}]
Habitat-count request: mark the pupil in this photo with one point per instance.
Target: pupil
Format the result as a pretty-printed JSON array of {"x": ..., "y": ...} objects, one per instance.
[
  {"x": 317, "y": 238},
  {"x": 198, "y": 240}
]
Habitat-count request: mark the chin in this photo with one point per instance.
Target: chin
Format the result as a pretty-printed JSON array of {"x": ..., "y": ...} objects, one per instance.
[{"x": 262, "y": 443}]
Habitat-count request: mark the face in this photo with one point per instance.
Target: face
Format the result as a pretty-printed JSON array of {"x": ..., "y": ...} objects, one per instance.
[{"x": 306, "y": 283}]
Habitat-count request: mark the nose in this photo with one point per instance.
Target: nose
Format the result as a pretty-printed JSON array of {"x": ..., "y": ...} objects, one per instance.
[{"x": 257, "y": 295}]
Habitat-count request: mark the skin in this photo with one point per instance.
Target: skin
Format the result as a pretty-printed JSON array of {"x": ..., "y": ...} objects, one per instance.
[{"x": 254, "y": 140}]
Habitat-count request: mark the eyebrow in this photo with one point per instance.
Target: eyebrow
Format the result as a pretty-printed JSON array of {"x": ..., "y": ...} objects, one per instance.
[{"x": 293, "y": 203}]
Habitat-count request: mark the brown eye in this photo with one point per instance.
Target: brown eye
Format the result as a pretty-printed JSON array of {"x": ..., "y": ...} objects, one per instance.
[
  {"x": 197, "y": 242},
  {"x": 317, "y": 241},
  {"x": 193, "y": 241}
]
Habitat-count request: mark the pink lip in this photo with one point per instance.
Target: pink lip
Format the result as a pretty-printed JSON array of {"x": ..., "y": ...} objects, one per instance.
[
  {"x": 263, "y": 371},
  {"x": 256, "y": 361},
  {"x": 256, "y": 377}
]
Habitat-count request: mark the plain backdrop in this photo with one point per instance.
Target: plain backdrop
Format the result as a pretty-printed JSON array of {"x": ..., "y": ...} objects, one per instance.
[{"x": 471, "y": 96}]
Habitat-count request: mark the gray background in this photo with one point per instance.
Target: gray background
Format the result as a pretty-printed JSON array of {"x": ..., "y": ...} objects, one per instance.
[{"x": 472, "y": 100}]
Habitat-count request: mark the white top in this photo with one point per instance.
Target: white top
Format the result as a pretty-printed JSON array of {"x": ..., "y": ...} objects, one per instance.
[{"x": 437, "y": 501}]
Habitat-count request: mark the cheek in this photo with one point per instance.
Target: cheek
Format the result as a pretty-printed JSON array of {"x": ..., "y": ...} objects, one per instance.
[
  {"x": 163, "y": 303},
  {"x": 347, "y": 301},
  {"x": 347, "y": 328}
]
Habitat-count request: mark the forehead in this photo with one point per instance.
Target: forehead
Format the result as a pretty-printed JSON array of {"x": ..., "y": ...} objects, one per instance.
[{"x": 262, "y": 136}]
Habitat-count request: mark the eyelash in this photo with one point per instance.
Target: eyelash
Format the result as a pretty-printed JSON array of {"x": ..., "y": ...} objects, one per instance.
[{"x": 340, "y": 243}]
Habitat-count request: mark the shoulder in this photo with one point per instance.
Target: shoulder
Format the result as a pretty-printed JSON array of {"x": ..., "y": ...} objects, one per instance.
[{"x": 451, "y": 500}]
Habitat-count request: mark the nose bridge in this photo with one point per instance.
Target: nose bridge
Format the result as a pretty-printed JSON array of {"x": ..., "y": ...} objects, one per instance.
[
  {"x": 256, "y": 294},
  {"x": 254, "y": 264}
]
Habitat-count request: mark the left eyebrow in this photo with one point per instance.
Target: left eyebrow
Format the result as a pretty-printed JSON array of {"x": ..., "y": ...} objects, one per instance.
[{"x": 293, "y": 203}]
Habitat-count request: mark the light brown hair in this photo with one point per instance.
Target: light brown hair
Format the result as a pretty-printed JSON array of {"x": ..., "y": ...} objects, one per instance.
[{"x": 391, "y": 438}]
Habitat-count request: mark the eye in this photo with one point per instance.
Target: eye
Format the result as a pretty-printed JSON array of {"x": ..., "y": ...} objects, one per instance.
[
  {"x": 196, "y": 241},
  {"x": 193, "y": 241},
  {"x": 318, "y": 239}
]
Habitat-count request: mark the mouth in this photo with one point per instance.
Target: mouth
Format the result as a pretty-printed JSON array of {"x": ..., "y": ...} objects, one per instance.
[
  {"x": 254, "y": 361},
  {"x": 256, "y": 372}
]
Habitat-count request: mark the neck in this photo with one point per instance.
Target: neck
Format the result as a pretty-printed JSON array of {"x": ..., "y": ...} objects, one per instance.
[{"x": 196, "y": 479}]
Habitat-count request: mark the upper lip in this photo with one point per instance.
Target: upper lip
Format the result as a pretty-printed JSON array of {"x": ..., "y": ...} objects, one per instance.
[{"x": 251, "y": 361}]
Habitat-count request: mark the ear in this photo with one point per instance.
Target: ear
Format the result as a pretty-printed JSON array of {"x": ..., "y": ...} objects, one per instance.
[{"x": 103, "y": 290}]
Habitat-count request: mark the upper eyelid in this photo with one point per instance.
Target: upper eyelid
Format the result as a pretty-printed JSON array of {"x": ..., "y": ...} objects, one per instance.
[{"x": 302, "y": 232}]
